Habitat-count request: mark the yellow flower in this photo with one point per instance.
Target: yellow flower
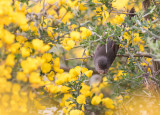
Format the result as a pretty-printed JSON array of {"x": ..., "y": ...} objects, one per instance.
[
  {"x": 72, "y": 4},
  {"x": 141, "y": 48},
  {"x": 119, "y": 75},
  {"x": 101, "y": 95},
  {"x": 119, "y": 4},
  {"x": 109, "y": 112},
  {"x": 81, "y": 99},
  {"x": 45, "y": 48},
  {"x": 76, "y": 112},
  {"x": 50, "y": 31},
  {"x": 33, "y": 27},
  {"x": 84, "y": 69},
  {"x": 37, "y": 44},
  {"x": 14, "y": 47},
  {"x": 8, "y": 37},
  {"x": 104, "y": 83},
  {"x": 82, "y": 6},
  {"x": 85, "y": 90},
  {"x": 65, "y": 97},
  {"x": 50, "y": 76},
  {"x": 47, "y": 57},
  {"x": 73, "y": 73},
  {"x": 34, "y": 78},
  {"x": 22, "y": 21},
  {"x": 127, "y": 37},
  {"x": 85, "y": 32},
  {"x": 108, "y": 103},
  {"x": 58, "y": 70},
  {"x": 29, "y": 65},
  {"x": 64, "y": 89},
  {"x": 137, "y": 39},
  {"x": 1, "y": 43},
  {"x": 56, "y": 65},
  {"x": 51, "y": 1},
  {"x": 28, "y": 44},
  {"x": 96, "y": 100},
  {"x": 21, "y": 39},
  {"x": 88, "y": 73},
  {"x": 118, "y": 19},
  {"x": 105, "y": 15},
  {"x": 64, "y": 77},
  {"x": 69, "y": 105},
  {"x": 21, "y": 76},
  {"x": 83, "y": 109},
  {"x": 53, "y": 88},
  {"x": 75, "y": 35},
  {"x": 68, "y": 43},
  {"x": 25, "y": 52},
  {"x": 56, "y": 62},
  {"x": 46, "y": 67},
  {"x": 65, "y": 110},
  {"x": 10, "y": 60},
  {"x": 68, "y": 16},
  {"x": 78, "y": 70}
]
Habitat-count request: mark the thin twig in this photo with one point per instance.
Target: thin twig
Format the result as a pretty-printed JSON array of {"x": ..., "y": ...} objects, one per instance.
[
  {"x": 136, "y": 55},
  {"x": 122, "y": 13},
  {"x": 79, "y": 58}
]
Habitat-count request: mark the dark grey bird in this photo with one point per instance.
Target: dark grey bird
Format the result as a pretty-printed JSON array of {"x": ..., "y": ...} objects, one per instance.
[{"x": 104, "y": 56}]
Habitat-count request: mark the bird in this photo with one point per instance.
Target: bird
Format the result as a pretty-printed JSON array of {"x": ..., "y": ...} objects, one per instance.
[{"x": 104, "y": 56}]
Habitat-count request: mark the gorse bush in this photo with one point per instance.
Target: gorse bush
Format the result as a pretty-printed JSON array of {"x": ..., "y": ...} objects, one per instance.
[{"x": 46, "y": 49}]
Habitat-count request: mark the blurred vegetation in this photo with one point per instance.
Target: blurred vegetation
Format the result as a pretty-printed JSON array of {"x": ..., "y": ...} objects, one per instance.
[{"x": 46, "y": 50}]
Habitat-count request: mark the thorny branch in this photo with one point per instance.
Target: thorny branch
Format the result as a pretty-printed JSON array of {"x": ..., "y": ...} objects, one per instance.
[{"x": 119, "y": 55}]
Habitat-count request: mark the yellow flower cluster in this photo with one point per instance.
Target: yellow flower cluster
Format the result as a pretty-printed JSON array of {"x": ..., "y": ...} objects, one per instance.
[
  {"x": 118, "y": 19},
  {"x": 119, "y": 4},
  {"x": 8, "y": 15},
  {"x": 119, "y": 75},
  {"x": 73, "y": 75},
  {"x": 76, "y": 112},
  {"x": 107, "y": 102},
  {"x": 38, "y": 45},
  {"x": 104, "y": 13},
  {"x": 75, "y": 36},
  {"x": 96, "y": 100},
  {"x": 28, "y": 68},
  {"x": 136, "y": 40},
  {"x": 16, "y": 65}
]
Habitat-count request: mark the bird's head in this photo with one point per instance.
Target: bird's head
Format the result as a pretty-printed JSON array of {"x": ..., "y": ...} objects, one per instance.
[{"x": 103, "y": 65}]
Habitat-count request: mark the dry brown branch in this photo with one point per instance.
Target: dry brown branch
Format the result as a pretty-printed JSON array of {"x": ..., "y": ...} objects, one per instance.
[
  {"x": 123, "y": 13},
  {"x": 118, "y": 55},
  {"x": 136, "y": 55},
  {"x": 79, "y": 58}
]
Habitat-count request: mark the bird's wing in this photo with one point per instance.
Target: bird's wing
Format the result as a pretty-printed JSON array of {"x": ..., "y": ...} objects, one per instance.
[
  {"x": 100, "y": 51},
  {"x": 109, "y": 45}
]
